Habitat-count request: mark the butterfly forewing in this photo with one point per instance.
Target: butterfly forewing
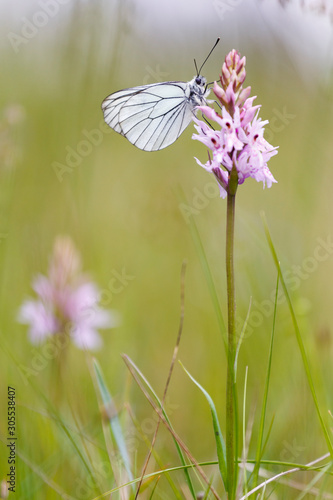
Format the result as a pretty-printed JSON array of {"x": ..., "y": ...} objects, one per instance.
[
  {"x": 172, "y": 125},
  {"x": 151, "y": 117}
]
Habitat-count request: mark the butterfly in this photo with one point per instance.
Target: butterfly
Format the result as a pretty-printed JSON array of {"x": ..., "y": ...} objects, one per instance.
[{"x": 153, "y": 116}]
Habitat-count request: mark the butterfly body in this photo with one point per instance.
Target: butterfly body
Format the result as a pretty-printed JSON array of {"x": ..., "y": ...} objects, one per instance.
[{"x": 153, "y": 116}]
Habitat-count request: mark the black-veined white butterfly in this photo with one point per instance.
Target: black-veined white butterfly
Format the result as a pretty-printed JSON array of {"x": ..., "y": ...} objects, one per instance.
[{"x": 153, "y": 116}]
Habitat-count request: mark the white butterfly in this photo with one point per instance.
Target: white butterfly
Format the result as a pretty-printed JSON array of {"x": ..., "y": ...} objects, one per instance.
[{"x": 153, "y": 116}]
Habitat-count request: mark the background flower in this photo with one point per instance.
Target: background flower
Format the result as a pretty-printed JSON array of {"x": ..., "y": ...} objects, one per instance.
[{"x": 67, "y": 302}]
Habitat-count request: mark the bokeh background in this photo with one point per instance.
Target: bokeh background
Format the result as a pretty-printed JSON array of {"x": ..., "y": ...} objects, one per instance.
[{"x": 130, "y": 210}]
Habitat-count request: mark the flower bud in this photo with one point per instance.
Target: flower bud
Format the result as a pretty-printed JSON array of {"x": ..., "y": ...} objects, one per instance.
[{"x": 233, "y": 70}]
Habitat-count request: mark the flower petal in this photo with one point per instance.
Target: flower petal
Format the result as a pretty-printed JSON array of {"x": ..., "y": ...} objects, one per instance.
[
  {"x": 42, "y": 321},
  {"x": 87, "y": 339}
]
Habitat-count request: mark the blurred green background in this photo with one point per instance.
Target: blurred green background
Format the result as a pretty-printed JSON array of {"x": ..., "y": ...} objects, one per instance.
[{"x": 123, "y": 209}]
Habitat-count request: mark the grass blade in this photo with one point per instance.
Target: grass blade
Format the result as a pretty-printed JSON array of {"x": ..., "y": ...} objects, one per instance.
[
  {"x": 241, "y": 338},
  {"x": 139, "y": 379},
  {"x": 277, "y": 477},
  {"x": 115, "y": 427},
  {"x": 157, "y": 458},
  {"x": 309, "y": 487},
  {"x": 173, "y": 360},
  {"x": 267, "y": 380},
  {"x": 220, "y": 445},
  {"x": 244, "y": 430},
  {"x": 299, "y": 338}
]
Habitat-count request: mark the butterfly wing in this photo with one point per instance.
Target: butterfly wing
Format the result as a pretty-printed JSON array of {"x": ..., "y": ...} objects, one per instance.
[
  {"x": 113, "y": 103},
  {"x": 152, "y": 116}
]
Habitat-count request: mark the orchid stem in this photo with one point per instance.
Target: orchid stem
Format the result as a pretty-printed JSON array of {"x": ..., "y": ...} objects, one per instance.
[{"x": 230, "y": 393}]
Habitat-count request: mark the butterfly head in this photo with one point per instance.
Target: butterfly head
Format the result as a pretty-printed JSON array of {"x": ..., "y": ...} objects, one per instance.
[
  {"x": 200, "y": 81},
  {"x": 198, "y": 85},
  {"x": 197, "y": 90}
]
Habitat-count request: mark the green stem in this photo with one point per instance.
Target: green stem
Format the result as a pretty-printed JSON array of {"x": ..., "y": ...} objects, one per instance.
[{"x": 231, "y": 396}]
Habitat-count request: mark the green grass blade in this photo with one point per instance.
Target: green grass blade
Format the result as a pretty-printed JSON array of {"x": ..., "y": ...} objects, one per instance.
[
  {"x": 155, "y": 474},
  {"x": 154, "y": 489},
  {"x": 234, "y": 395},
  {"x": 210, "y": 463},
  {"x": 157, "y": 400},
  {"x": 241, "y": 338},
  {"x": 62, "y": 424},
  {"x": 299, "y": 339},
  {"x": 157, "y": 458},
  {"x": 220, "y": 445},
  {"x": 309, "y": 487},
  {"x": 115, "y": 427},
  {"x": 206, "y": 496},
  {"x": 244, "y": 431},
  {"x": 259, "y": 450}
]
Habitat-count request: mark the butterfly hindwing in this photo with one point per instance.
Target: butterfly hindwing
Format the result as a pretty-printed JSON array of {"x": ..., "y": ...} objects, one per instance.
[{"x": 113, "y": 103}]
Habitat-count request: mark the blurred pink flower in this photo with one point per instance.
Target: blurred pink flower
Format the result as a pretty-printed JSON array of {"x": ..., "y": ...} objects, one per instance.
[
  {"x": 238, "y": 139},
  {"x": 67, "y": 302}
]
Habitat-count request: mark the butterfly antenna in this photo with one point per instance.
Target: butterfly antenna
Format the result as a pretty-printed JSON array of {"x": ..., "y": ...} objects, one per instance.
[
  {"x": 211, "y": 50},
  {"x": 196, "y": 67}
]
